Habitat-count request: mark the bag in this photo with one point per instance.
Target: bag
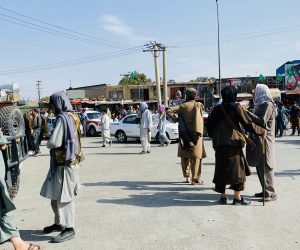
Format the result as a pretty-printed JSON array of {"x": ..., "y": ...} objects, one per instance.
[
  {"x": 253, "y": 153},
  {"x": 186, "y": 139}
]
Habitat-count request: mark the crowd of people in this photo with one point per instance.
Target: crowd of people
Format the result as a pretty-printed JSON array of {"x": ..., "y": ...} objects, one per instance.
[{"x": 230, "y": 126}]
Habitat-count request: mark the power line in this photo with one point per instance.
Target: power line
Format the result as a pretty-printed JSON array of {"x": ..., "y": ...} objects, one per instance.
[
  {"x": 60, "y": 27},
  {"x": 52, "y": 31},
  {"x": 74, "y": 62},
  {"x": 235, "y": 38}
]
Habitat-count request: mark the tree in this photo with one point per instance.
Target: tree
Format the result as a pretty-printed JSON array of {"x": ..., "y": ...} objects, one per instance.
[
  {"x": 134, "y": 78},
  {"x": 204, "y": 79}
]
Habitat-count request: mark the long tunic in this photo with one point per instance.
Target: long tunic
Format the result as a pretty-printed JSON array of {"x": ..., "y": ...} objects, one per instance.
[
  {"x": 7, "y": 221},
  {"x": 267, "y": 114},
  {"x": 105, "y": 126},
  {"x": 63, "y": 185},
  {"x": 146, "y": 123},
  {"x": 192, "y": 113},
  {"x": 231, "y": 166}
]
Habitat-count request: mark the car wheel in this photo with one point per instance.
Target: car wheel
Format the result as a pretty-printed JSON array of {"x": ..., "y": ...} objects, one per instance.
[
  {"x": 92, "y": 131},
  {"x": 168, "y": 136},
  {"x": 157, "y": 137},
  {"x": 121, "y": 136}
]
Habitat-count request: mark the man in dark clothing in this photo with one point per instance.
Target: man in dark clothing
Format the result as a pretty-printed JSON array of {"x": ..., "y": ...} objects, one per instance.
[
  {"x": 36, "y": 127},
  {"x": 294, "y": 118}
]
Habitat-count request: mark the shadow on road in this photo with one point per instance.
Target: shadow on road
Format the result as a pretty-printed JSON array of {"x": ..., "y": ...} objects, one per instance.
[
  {"x": 167, "y": 194},
  {"x": 166, "y": 199},
  {"x": 288, "y": 173},
  {"x": 34, "y": 235},
  {"x": 115, "y": 154}
]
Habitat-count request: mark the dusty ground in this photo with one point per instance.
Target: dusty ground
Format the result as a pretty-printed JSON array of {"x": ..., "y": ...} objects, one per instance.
[{"x": 132, "y": 201}]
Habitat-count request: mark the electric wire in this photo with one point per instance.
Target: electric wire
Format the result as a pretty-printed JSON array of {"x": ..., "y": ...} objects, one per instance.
[
  {"x": 74, "y": 62},
  {"x": 65, "y": 29}
]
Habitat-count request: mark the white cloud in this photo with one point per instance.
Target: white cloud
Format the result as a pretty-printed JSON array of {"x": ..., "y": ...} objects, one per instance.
[{"x": 115, "y": 26}]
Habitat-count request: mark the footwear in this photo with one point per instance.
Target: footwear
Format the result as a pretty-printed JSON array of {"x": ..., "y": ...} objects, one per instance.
[
  {"x": 32, "y": 247},
  {"x": 53, "y": 228},
  {"x": 224, "y": 200},
  {"x": 66, "y": 234},
  {"x": 261, "y": 194},
  {"x": 271, "y": 197},
  {"x": 197, "y": 182},
  {"x": 110, "y": 142},
  {"x": 242, "y": 202},
  {"x": 36, "y": 154},
  {"x": 103, "y": 146},
  {"x": 148, "y": 151},
  {"x": 143, "y": 152},
  {"x": 188, "y": 180}
]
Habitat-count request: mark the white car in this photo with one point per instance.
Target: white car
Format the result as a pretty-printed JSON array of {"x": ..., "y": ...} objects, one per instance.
[
  {"x": 129, "y": 127},
  {"x": 93, "y": 122}
]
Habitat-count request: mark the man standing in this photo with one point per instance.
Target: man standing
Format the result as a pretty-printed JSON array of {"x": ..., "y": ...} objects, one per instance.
[
  {"x": 8, "y": 229},
  {"x": 191, "y": 115},
  {"x": 105, "y": 128},
  {"x": 294, "y": 118},
  {"x": 62, "y": 182},
  {"x": 146, "y": 125},
  {"x": 37, "y": 128}
]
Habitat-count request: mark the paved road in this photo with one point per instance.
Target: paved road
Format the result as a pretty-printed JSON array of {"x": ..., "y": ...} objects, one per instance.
[{"x": 132, "y": 201}]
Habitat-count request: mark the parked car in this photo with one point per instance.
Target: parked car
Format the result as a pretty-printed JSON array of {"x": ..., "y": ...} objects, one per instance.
[
  {"x": 93, "y": 122},
  {"x": 50, "y": 126},
  {"x": 128, "y": 127},
  {"x": 51, "y": 121}
]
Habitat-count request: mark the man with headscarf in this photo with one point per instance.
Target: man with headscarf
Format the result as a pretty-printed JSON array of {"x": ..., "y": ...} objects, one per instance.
[
  {"x": 266, "y": 111},
  {"x": 146, "y": 125},
  {"x": 231, "y": 167},
  {"x": 191, "y": 113},
  {"x": 62, "y": 182},
  {"x": 162, "y": 125}
]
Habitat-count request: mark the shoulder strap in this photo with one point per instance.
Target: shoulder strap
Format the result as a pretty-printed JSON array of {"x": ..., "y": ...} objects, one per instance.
[{"x": 239, "y": 133}]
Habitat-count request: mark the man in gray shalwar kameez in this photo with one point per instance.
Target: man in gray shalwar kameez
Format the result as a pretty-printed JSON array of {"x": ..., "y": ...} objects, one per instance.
[
  {"x": 62, "y": 182},
  {"x": 8, "y": 229}
]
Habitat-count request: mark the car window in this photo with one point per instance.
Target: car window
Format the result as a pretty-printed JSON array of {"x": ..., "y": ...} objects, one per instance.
[
  {"x": 130, "y": 120},
  {"x": 93, "y": 116}
]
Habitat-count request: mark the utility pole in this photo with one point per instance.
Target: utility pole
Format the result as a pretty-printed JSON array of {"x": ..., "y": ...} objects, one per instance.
[
  {"x": 154, "y": 48},
  {"x": 70, "y": 84},
  {"x": 38, "y": 86},
  {"x": 219, "y": 59},
  {"x": 157, "y": 75},
  {"x": 165, "y": 78}
]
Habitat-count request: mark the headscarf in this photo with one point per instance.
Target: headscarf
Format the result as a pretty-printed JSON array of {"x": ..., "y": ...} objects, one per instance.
[
  {"x": 143, "y": 107},
  {"x": 161, "y": 108},
  {"x": 229, "y": 94},
  {"x": 70, "y": 141},
  {"x": 190, "y": 94},
  {"x": 61, "y": 102},
  {"x": 262, "y": 95}
]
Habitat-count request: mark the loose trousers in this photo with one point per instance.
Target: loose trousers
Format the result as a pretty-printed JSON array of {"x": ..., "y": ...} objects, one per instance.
[
  {"x": 145, "y": 139},
  {"x": 269, "y": 178},
  {"x": 191, "y": 167},
  {"x": 8, "y": 227},
  {"x": 64, "y": 213}
]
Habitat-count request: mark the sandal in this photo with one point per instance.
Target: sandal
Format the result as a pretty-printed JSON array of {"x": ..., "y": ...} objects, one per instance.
[
  {"x": 188, "y": 180},
  {"x": 33, "y": 247},
  {"x": 197, "y": 182}
]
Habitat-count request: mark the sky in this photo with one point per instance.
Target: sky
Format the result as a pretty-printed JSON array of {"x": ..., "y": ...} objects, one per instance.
[{"x": 78, "y": 43}]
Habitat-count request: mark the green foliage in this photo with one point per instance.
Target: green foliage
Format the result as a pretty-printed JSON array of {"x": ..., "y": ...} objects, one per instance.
[
  {"x": 134, "y": 78},
  {"x": 204, "y": 79}
]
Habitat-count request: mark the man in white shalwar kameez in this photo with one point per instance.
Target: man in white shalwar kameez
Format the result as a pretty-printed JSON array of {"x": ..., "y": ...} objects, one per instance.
[
  {"x": 105, "y": 126},
  {"x": 145, "y": 127}
]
